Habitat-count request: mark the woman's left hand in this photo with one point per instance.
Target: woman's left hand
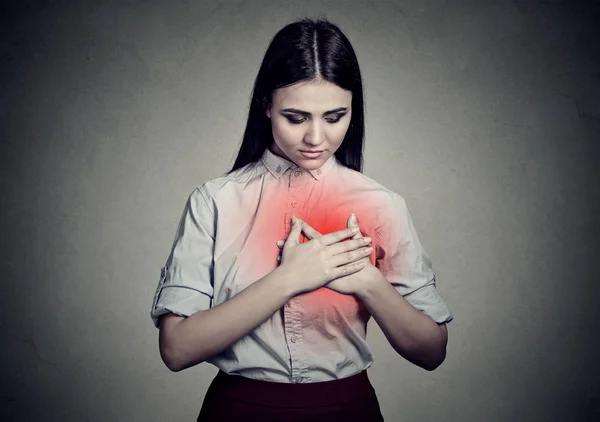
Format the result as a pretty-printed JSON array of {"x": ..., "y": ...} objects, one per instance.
[{"x": 354, "y": 283}]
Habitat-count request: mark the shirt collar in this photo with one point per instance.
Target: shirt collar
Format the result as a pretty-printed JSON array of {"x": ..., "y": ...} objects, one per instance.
[{"x": 278, "y": 165}]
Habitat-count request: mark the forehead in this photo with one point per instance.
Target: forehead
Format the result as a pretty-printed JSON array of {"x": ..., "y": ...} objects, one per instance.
[{"x": 313, "y": 96}]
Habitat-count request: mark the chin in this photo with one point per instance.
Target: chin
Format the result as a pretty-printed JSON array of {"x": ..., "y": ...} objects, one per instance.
[{"x": 311, "y": 164}]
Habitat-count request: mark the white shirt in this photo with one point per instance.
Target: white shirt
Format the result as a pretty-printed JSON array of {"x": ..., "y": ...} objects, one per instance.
[{"x": 227, "y": 238}]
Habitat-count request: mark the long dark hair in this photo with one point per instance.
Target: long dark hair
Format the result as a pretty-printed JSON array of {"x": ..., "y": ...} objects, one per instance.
[{"x": 302, "y": 51}]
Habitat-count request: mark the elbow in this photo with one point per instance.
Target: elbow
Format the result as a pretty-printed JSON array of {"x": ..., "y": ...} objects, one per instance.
[
  {"x": 433, "y": 364},
  {"x": 171, "y": 359},
  {"x": 430, "y": 355},
  {"x": 425, "y": 358},
  {"x": 174, "y": 366},
  {"x": 437, "y": 349},
  {"x": 171, "y": 346},
  {"x": 176, "y": 360},
  {"x": 169, "y": 352},
  {"x": 436, "y": 357}
]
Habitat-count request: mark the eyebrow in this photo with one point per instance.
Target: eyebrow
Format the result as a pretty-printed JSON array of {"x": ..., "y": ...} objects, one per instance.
[{"x": 306, "y": 113}]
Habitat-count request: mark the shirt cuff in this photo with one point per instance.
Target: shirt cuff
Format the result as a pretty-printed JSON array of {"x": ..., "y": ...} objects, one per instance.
[
  {"x": 177, "y": 299},
  {"x": 428, "y": 300}
]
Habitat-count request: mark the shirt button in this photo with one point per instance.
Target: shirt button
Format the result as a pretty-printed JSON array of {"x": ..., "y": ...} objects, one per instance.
[
  {"x": 297, "y": 173},
  {"x": 293, "y": 339},
  {"x": 294, "y": 204},
  {"x": 278, "y": 169}
]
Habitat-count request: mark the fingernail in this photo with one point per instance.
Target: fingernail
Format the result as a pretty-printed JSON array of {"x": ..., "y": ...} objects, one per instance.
[
  {"x": 353, "y": 217},
  {"x": 280, "y": 242}
]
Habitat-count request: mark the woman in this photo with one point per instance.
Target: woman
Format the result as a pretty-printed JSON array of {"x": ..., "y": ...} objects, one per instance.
[{"x": 288, "y": 332}]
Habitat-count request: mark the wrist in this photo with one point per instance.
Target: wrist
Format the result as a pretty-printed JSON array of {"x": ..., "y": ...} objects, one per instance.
[
  {"x": 284, "y": 283},
  {"x": 376, "y": 281}
]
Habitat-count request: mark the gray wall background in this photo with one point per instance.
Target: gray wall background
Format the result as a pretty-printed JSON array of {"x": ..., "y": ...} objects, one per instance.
[{"x": 484, "y": 115}]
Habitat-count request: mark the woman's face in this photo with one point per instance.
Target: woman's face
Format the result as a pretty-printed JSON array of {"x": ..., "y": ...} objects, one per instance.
[{"x": 309, "y": 121}]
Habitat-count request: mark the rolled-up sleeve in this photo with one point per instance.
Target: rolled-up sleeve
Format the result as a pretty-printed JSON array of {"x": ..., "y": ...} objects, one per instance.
[
  {"x": 406, "y": 265},
  {"x": 185, "y": 285}
]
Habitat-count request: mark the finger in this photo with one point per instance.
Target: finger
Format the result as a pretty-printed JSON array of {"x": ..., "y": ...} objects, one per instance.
[
  {"x": 295, "y": 232},
  {"x": 352, "y": 256},
  {"x": 348, "y": 246},
  {"x": 331, "y": 238},
  {"x": 352, "y": 223},
  {"x": 310, "y": 232},
  {"x": 348, "y": 269}
]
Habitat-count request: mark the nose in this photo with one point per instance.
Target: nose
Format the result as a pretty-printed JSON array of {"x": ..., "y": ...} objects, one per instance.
[{"x": 315, "y": 134}]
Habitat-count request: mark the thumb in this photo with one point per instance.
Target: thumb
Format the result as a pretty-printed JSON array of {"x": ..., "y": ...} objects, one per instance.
[
  {"x": 352, "y": 223},
  {"x": 295, "y": 232}
]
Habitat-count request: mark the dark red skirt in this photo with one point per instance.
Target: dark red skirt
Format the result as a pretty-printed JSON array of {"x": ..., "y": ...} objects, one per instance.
[{"x": 235, "y": 398}]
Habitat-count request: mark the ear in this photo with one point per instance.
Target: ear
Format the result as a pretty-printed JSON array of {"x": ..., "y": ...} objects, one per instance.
[{"x": 266, "y": 105}]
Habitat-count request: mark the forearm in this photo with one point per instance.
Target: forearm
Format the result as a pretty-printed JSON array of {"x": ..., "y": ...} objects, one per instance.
[
  {"x": 413, "y": 334},
  {"x": 205, "y": 334}
]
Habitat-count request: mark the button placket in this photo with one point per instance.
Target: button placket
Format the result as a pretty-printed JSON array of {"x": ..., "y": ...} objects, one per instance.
[
  {"x": 298, "y": 190},
  {"x": 298, "y": 177},
  {"x": 291, "y": 327},
  {"x": 298, "y": 363},
  {"x": 293, "y": 207}
]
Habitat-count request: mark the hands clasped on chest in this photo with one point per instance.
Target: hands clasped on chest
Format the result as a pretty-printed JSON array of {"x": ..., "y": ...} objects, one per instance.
[{"x": 327, "y": 260}]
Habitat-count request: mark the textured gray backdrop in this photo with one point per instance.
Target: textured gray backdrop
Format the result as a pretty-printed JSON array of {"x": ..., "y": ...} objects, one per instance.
[{"x": 484, "y": 115}]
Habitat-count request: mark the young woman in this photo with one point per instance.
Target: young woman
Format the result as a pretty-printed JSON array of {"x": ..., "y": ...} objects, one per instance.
[{"x": 285, "y": 320}]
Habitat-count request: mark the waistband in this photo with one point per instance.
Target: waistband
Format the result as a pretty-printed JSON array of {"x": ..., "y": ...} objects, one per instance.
[{"x": 276, "y": 394}]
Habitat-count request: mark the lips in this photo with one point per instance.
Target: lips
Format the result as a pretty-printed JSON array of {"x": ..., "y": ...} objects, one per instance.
[{"x": 311, "y": 154}]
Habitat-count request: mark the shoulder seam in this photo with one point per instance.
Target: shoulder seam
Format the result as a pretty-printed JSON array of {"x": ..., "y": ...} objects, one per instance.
[{"x": 202, "y": 190}]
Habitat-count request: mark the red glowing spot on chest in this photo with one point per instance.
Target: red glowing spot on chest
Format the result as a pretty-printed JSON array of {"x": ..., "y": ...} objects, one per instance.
[{"x": 325, "y": 212}]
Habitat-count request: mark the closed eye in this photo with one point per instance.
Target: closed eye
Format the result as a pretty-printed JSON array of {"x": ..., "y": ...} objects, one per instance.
[
  {"x": 298, "y": 119},
  {"x": 295, "y": 120}
]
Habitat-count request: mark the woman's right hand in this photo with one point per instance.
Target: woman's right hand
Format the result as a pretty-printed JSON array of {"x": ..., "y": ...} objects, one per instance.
[{"x": 310, "y": 265}]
